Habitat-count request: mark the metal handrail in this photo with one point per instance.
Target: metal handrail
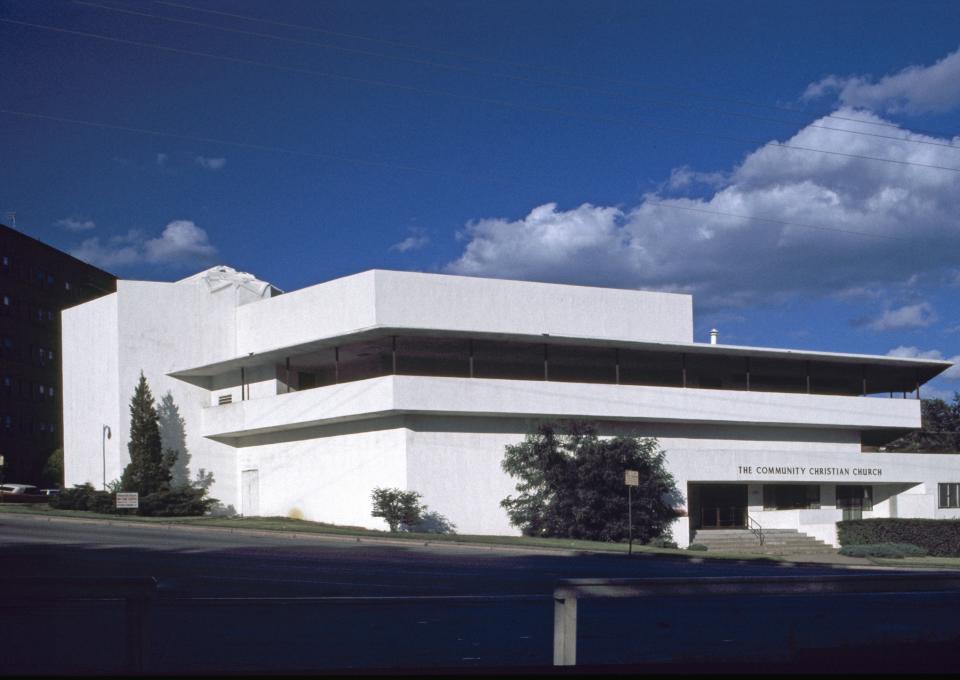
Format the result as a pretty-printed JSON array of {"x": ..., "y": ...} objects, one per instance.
[{"x": 754, "y": 526}]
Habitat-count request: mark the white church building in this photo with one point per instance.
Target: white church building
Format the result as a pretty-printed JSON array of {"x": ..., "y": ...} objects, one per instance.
[{"x": 301, "y": 403}]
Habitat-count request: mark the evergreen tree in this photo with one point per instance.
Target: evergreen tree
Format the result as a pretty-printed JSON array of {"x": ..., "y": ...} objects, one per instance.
[{"x": 148, "y": 471}]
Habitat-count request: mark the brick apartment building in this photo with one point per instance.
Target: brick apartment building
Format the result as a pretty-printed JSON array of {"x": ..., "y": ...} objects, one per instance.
[{"x": 37, "y": 281}]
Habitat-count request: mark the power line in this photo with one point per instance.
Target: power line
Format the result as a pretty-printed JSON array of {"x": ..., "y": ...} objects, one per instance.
[
  {"x": 484, "y": 100},
  {"x": 397, "y": 166},
  {"x": 242, "y": 145},
  {"x": 565, "y": 86},
  {"x": 512, "y": 64}
]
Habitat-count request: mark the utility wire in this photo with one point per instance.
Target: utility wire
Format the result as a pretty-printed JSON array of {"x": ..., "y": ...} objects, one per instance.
[
  {"x": 397, "y": 166},
  {"x": 507, "y": 76},
  {"x": 242, "y": 145},
  {"x": 484, "y": 100},
  {"x": 512, "y": 64}
]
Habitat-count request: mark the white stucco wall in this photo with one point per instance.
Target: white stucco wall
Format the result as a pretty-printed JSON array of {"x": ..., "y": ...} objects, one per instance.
[
  {"x": 91, "y": 397},
  {"x": 391, "y": 299},
  {"x": 328, "y": 475}
]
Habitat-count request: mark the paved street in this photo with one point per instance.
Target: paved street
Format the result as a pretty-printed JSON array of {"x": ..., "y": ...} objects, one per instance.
[{"x": 239, "y": 635}]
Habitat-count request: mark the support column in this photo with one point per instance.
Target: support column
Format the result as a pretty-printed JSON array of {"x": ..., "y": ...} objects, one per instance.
[{"x": 565, "y": 631}]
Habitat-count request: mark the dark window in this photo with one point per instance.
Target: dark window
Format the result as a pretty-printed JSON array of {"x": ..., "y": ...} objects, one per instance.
[
  {"x": 949, "y": 495},
  {"x": 717, "y": 372},
  {"x": 791, "y": 496},
  {"x": 651, "y": 368},
  {"x": 310, "y": 370},
  {"x": 366, "y": 360},
  {"x": 836, "y": 378},
  {"x": 582, "y": 364},
  {"x": 433, "y": 356},
  {"x": 778, "y": 375},
  {"x": 854, "y": 498},
  {"x": 508, "y": 360}
]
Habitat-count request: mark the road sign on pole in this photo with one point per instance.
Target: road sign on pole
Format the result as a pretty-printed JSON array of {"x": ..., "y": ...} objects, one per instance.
[
  {"x": 631, "y": 479},
  {"x": 128, "y": 500}
]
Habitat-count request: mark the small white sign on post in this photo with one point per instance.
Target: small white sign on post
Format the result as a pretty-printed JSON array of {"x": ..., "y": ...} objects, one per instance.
[
  {"x": 632, "y": 478},
  {"x": 128, "y": 501}
]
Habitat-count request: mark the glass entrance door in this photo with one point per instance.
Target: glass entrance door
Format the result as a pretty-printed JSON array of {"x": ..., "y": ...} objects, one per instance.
[
  {"x": 723, "y": 506},
  {"x": 853, "y": 500}
]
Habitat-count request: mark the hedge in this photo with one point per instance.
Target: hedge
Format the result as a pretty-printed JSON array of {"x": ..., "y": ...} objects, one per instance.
[
  {"x": 895, "y": 550},
  {"x": 939, "y": 537}
]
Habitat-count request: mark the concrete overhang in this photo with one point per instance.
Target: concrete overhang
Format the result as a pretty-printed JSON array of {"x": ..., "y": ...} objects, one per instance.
[
  {"x": 478, "y": 397},
  {"x": 927, "y": 368}
]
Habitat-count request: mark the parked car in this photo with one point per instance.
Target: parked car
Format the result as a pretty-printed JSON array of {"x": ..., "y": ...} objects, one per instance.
[{"x": 21, "y": 493}]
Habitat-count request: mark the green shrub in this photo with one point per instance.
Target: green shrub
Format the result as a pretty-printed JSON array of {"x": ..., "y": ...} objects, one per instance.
[
  {"x": 895, "y": 550},
  {"x": 433, "y": 523},
  {"x": 184, "y": 501},
  {"x": 939, "y": 537},
  {"x": 400, "y": 509},
  {"x": 84, "y": 497},
  {"x": 696, "y": 546},
  {"x": 662, "y": 542}
]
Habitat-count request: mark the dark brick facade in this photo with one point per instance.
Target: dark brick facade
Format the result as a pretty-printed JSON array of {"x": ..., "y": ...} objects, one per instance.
[{"x": 37, "y": 281}]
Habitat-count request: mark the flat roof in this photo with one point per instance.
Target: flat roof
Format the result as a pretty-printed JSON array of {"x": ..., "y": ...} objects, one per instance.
[{"x": 928, "y": 368}]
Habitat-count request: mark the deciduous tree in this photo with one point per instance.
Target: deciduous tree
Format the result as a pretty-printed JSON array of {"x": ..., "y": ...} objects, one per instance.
[{"x": 571, "y": 485}]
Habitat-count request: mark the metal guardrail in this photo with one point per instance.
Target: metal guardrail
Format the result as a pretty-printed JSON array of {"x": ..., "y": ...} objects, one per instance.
[
  {"x": 141, "y": 594},
  {"x": 138, "y": 595},
  {"x": 567, "y": 593}
]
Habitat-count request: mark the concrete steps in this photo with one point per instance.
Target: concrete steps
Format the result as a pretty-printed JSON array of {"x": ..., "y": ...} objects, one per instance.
[{"x": 776, "y": 542}]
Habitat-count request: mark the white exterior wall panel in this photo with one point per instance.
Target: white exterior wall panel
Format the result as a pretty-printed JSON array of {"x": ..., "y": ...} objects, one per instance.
[
  {"x": 468, "y": 304},
  {"x": 91, "y": 392},
  {"x": 328, "y": 476}
]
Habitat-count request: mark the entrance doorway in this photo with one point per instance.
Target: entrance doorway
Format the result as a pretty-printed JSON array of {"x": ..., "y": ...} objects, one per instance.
[
  {"x": 250, "y": 493},
  {"x": 719, "y": 506},
  {"x": 854, "y": 499}
]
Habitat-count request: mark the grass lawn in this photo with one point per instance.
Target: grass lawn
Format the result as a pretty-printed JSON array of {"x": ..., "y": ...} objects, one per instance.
[{"x": 299, "y": 526}]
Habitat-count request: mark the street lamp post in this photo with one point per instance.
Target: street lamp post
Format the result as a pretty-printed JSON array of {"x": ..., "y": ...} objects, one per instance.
[{"x": 105, "y": 437}]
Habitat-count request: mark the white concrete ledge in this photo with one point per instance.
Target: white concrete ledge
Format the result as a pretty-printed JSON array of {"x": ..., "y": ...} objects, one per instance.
[{"x": 393, "y": 395}]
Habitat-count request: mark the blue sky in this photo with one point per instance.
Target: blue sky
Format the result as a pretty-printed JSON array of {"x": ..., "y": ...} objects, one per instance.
[{"x": 632, "y": 144}]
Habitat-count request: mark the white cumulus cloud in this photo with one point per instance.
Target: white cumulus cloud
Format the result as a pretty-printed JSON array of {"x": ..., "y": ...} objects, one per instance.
[
  {"x": 180, "y": 243},
  {"x": 914, "y": 90},
  {"x": 780, "y": 224},
  {"x": 417, "y": 239},
  {"x": 919, "y": 315},
  {"x": 180, "y": 240},
  {"x": 76, "y": 224},
  {"x": 211, "y": 163}
]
